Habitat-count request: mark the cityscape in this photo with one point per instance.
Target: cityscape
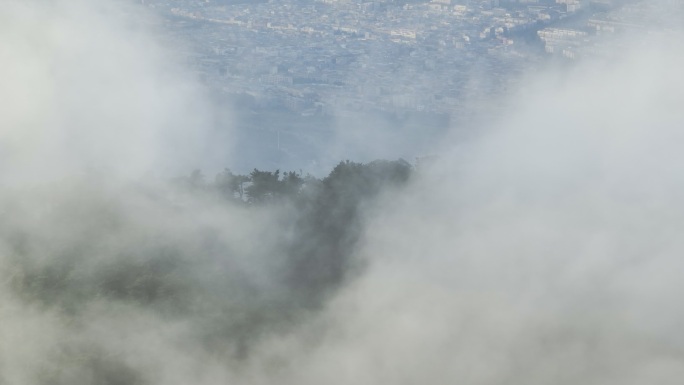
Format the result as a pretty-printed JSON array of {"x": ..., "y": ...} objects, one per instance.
[
  {"x": 336, "y": 57},
  {"x": 298, "y": 74}
]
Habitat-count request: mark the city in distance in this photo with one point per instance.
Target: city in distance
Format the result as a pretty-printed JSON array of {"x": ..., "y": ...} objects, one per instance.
[
  {"x": 472, "y": 192},
  {"x": 302, "y": 76}
]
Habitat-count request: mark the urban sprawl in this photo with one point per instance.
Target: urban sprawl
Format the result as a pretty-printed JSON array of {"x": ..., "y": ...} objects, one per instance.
[{"x": 331, "y": 56}]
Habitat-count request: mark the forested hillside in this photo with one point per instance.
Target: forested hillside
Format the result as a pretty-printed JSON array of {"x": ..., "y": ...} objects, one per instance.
[{"x": 237, "y": 257}]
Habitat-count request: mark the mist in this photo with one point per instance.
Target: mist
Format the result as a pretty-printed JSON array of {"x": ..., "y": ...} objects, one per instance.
[
  {"x": 92, "y": 86},
  {"x": 542, "y": 248}
]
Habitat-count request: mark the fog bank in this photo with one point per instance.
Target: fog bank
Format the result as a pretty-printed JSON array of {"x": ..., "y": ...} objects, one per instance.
[
  {"x": 88, "y": 86},
  {"x": 544, "y": 249}
]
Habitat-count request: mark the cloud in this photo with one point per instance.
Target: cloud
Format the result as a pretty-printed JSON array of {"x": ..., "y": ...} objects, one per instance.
[
  {"x": 544, "y": 249},
  {"x": 87, "y": 85}
]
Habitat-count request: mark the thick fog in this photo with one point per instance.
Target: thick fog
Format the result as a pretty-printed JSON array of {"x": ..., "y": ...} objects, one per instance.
[
  {"x": 87, "y": 87},
  {"x": 545, "y": 248}
]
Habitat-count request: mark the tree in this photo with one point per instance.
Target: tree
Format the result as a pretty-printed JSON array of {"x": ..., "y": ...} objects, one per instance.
[
  {"x": 231, "y": 185},
  {"x": 264, "y": 186},
  {"x": 268, "y": 186},
  {"x": 291, "y": 184},
  {"x": 331, "y": 223}
]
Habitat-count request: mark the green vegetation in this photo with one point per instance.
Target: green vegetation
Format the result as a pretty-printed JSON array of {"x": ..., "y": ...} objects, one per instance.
[
  {"x": 326, "y": 216},
  {"x": 239, "y": 256}
]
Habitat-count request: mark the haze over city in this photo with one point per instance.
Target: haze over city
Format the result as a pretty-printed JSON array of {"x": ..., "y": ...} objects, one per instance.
[{"x": 479, "y": 192}]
